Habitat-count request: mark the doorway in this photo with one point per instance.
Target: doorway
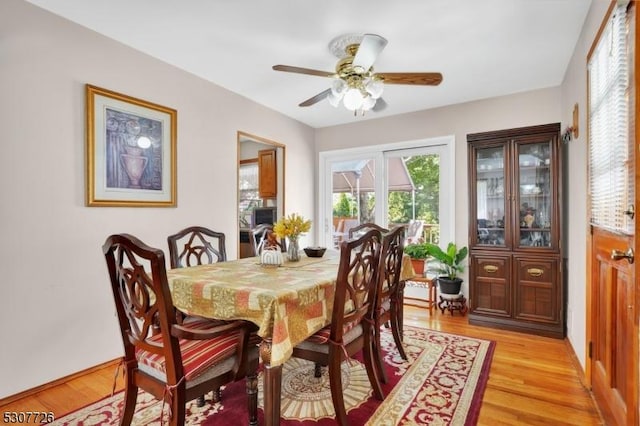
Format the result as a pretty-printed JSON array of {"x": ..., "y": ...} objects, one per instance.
[
  {"x": 261, "y": 176},
  {"x": 389, "y": 185}
]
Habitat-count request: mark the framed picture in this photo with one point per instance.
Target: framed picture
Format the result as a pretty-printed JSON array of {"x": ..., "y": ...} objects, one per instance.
[{"x": 131, "y": 151}]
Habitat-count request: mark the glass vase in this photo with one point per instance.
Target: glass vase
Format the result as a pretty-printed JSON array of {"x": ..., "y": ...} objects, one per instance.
[{"x": 293, "y": 251}]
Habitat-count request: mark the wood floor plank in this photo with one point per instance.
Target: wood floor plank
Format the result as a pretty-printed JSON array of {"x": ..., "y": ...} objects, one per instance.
[{"x": 532, "y": 380}]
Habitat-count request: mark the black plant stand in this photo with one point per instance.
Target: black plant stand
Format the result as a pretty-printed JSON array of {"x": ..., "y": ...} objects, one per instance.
[{"x": 453, "y": 302}]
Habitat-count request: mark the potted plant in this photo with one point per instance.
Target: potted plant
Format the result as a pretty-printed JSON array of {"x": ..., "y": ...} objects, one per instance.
[
  {"x": 449, "y": 264},
  {"x": 418, "y": 253}
]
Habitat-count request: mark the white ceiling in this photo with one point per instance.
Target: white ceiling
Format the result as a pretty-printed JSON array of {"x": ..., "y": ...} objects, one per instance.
[{"x": 483, "y": 48}]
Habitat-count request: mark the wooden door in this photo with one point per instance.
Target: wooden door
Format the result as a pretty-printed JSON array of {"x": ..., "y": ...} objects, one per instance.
[
  {"x": 612, "y": 296},
  {"x": 614, "y": 344}
]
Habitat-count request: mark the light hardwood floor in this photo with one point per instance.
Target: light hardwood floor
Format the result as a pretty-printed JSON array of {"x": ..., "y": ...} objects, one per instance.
[{"x": 532, "y": 380}]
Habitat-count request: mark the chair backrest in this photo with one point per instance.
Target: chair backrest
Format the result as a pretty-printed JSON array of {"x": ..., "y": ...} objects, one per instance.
[
  {"x": 263, "y": 237},
  {"x": 361, "y": 229},
  {"x": 348, "y": 224},
  {"x": 357, "y": 281},
  {"x": 414, "y": 232},
  {"x": 143, "y": 300},
  {"x": 393, "y": 249},
  {"x": 201, "y": 245}
]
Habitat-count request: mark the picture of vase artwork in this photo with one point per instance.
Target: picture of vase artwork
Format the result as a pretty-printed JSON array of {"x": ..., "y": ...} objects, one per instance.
[
  {"x": 131, "y": 151},
  {"x": 133, "y": 157}
]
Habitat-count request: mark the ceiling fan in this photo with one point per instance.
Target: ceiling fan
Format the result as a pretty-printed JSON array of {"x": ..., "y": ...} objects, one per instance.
[{"x": 355, "y": 83}]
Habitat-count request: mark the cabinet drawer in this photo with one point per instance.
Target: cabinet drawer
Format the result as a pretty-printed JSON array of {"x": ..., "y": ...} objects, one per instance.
[
  {"x": 537, "y": 288},
  {"x": 491, "y": 267},
  {"x": 540, "y": 271},
  {"x": 490, "y": 287}
]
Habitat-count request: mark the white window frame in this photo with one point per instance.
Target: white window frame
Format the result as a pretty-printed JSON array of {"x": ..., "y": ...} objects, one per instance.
[{"x": 447, "y": 182}]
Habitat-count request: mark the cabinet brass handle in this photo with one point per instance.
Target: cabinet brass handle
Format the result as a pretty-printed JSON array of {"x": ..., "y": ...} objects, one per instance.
[
  {"x": 535, "y": 272},
  {"x": 490, "y": 269}
]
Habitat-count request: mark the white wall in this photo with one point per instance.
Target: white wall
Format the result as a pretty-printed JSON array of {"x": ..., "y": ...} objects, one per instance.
[
  {"x": 58, "y": 316},
  {"x": 574, "y": 90}
]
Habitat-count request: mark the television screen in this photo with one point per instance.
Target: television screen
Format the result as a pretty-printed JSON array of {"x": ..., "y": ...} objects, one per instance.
[{"x": 261, "y": 215}]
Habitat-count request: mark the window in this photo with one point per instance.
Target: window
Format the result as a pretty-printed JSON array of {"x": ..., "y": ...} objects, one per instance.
[
  {"x": 610, "y": 155},
  {"x": 248, "y": 192}
]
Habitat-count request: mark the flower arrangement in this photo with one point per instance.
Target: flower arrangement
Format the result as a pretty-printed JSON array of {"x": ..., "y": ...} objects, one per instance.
[{"x": 291, "y": 226}]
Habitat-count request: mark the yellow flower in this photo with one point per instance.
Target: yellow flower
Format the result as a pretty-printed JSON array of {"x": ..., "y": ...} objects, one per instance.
[{"x": 291, "y": 226}]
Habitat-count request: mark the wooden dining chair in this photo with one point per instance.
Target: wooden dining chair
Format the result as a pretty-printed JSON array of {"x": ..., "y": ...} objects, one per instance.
[
  {"x": 199, "y": 245},
  {"x": 389, "y": 301},
  {"x": 351, "y": 329},
  {"x": 348, "y": 225},
  {"x": 361, "y": 229},
  {"x": 181, "y": 362}
]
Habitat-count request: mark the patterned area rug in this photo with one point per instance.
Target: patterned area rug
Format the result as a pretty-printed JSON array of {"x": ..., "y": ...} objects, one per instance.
[{"x": 442, "y": 383}]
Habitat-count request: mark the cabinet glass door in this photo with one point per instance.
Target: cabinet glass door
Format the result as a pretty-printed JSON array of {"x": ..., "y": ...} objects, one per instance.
[
  {"x": 534, "y": 195},
  {"x": 490, "y": 196}
]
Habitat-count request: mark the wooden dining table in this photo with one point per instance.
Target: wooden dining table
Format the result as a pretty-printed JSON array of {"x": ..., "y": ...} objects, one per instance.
[{"x": 288, "y": 303}]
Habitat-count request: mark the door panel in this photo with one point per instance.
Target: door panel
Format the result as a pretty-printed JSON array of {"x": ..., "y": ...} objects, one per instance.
[
  {"x": 492, "y": 292},
  {"x": 613, "y": 328},
  {"x": 536, "y": 295},
  {"x": 492, "y": 193},
  {"x": 535, "y": 193},
  {"x": 421, "y": 199},
  {"x": 353, "y": 184},
  {"x": 389, "y": 185}
]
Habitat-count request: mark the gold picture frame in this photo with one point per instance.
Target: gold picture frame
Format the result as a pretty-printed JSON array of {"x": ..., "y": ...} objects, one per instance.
[{"x": 131, "y": 151}]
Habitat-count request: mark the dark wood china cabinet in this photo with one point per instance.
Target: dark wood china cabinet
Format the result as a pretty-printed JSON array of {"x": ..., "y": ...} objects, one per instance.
[{"x": 515, "y": 273}]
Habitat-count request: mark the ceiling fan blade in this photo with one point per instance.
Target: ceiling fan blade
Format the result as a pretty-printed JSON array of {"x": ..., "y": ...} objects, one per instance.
[
  {"x": 317, "y": 98},
  {"x": 299, "y": 70},
  {"x": 380, "y": 105},
  {"x": 370, "y": 47},
  {"x": 419, "y": 78}
]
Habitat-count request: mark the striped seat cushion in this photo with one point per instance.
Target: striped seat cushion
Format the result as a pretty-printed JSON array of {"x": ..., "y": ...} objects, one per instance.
[
  {"x": 322, "y": 336},
  {"x": 197, "y": 355}
]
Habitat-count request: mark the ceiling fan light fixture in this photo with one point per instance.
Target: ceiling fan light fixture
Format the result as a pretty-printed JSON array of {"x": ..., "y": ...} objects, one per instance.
[
  {"x": 338, "y": 87},
  {"x": 374, "y": 87},
  {"x": 353, "y": 99},
  {"x": 354, "y": 83},
  {"x": 368, "y": 103},
  {"x": 334, "y": 100}
]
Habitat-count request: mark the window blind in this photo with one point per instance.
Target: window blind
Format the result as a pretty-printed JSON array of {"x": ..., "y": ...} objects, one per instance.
[
  {"x": 610, "y": 168},
  {"x": 248, "y": 186}
]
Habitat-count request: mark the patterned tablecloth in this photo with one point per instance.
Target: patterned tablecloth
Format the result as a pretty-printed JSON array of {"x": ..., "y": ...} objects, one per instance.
[{"x": 288, "y": 303}]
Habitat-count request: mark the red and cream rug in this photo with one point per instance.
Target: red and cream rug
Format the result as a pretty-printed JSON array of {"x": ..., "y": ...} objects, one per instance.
[{"x": 442, "y": 383}]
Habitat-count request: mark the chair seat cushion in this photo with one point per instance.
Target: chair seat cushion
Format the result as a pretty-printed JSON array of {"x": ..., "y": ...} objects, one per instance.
[
  {"x": 197, "y": 355},
  {"x": 322, "y": 347},
  {"x": 322, "y": 336}
]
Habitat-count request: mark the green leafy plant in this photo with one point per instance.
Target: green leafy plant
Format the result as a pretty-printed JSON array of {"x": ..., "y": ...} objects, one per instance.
[
  {"x": 417, "y": 251},
  {"x": 450, "y": 262}
]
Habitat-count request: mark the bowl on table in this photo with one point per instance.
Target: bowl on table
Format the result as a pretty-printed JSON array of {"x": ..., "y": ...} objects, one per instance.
[{"x": 315, "y": 251}]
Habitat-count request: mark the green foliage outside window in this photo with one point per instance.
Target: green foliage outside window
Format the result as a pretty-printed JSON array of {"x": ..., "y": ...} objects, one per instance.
[
  {"x": 344, "y": 207},
  {"x": 425, "y": 172}
]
